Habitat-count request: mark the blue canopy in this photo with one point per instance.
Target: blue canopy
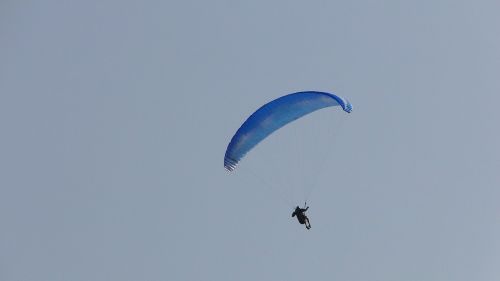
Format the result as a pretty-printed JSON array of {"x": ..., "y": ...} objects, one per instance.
[{"x": 274, "y": 115}]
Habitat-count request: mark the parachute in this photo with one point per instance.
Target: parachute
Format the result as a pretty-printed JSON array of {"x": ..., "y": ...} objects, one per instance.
[{"x": 274, "y": 115}]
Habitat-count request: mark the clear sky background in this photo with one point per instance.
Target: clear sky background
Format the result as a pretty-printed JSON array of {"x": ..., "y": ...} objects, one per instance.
[{"x": 115, "y": 115}]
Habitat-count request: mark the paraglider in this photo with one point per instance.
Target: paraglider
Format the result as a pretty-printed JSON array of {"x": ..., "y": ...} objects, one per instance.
[
  {"x": 271, "y": 117},
  {"x": 301, "y": 217}
]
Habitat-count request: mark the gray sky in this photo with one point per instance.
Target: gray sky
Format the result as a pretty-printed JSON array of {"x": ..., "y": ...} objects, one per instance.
[{"x": 115, "y": 115}]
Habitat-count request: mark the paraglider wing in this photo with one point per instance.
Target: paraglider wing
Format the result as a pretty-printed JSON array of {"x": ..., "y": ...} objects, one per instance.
[{"x": 274, "y": 115}]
